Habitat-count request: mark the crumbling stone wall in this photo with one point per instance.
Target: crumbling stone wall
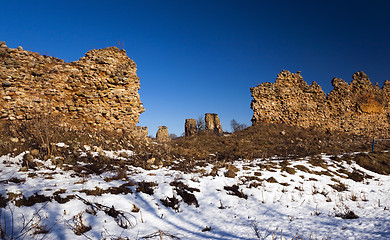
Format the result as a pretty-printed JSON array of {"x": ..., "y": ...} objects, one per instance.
[
  {"x": 213, "y": 123},
  {"x": 162, "y": 134},
  {"x": 100, "y": 89},
  {"x": 190, "y": 127},
  {"x": 359, "y": 107},
  {"x": 141, "y": 133}
]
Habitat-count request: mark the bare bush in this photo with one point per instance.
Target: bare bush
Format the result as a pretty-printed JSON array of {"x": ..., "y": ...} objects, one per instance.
[
  {"x": 21, "y": 227},
  {"x": 200, "y": 124},
  {"x": 237, "y": 126}
]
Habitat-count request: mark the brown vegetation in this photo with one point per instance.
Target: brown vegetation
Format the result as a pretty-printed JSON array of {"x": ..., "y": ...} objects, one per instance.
[
  {"x": 267, "y": 140},
  {"x": 40, "y": 136}
]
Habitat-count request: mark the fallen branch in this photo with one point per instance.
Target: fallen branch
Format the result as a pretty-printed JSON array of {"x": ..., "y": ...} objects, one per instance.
[{"x": 121, "y": 218}]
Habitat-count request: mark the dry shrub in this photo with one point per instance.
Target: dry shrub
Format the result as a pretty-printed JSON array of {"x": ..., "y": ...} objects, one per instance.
[
  {"x": 43, "y": 132},
  {"x": 23, "y": 226},
  {"x": 123, "y": 219},
  {"x": 79, "y": 227},
  {"x": 160, "y": 234}
]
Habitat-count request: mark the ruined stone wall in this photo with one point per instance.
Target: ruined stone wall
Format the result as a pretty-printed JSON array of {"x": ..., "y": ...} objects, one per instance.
[
  {"x": 190, "y": 127},
  {"x": 212, "y": 123},
  {"x": 162, "y": 134},
  {"x": 100, "y": 89},
  {"x": 359, "y": 107}
]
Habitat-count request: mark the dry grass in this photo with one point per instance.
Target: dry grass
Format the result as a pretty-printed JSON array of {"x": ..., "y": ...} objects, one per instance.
[
  {"x": 378, "y": 162},
  {"x": 40, "y": 135},
  {"x": 78, "y": 226},
  {"x": 267, "y": 140}
]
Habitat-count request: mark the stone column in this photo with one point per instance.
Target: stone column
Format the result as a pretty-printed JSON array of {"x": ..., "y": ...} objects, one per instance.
[
  {"x": 162, "y": 134},
  {"x": 190, "y": 127}
]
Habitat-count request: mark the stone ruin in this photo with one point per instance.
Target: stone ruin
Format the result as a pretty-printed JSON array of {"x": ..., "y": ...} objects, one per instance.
[
  {"x": 212, "y": 123},
  {"x": 358, "y": 108},
  {"x": 141, "y": 133},
  {"x": 162, "y": 134},
  {"x": 99, "y": 90},
  {"x": 190, "y": 127}
]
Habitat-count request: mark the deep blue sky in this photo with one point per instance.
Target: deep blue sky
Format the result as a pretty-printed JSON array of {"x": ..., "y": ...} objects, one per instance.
[{"x": 200, "y": 56}]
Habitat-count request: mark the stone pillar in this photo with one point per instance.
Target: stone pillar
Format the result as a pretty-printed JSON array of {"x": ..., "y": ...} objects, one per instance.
[
  {"x": 190, "y": 127},
  {"x": 213, "y": 123},
  {"x": 162, "y": 134}
]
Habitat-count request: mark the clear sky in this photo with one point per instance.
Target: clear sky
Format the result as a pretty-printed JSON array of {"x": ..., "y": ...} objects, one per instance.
[{"x": 200, "y": 56}]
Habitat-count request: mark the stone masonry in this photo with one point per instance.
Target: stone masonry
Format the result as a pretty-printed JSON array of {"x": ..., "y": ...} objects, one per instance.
[
  {"x": 190, "y": 127},
  {"x": 141, "y": 133},
  {"x": 162, "y": 134},
  {"x": 213, "y": 123},
  {"x": 358, "y": 108},
  {"x": 100, "y": 89}
]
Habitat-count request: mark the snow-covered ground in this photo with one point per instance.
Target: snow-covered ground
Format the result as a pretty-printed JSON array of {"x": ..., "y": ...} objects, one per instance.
[{"x": 270, "y": 202}]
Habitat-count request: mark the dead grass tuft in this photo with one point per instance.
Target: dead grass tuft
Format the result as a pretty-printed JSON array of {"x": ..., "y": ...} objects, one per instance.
[
  {"x": 231, "y": 171},
  {"x": 340, "y": 187},
  {"x": 62, "y": 200},
  {"x": 289, "y": 170},
  {"x": 146, "y": 187},
  {"x": 302, "y": 168},
  {"x": 171, "y": 202},
  {"x": 234, "y": 190},
  {"x": 30, "y": 201},
  {"x": 185, "y": 192},
  {"x": 78, "y": 226},
  {"x": 318, "y": 161},
  {"x": 271, "y": 180}
]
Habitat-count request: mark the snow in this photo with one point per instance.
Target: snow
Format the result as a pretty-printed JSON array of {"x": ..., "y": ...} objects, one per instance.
[{"x": 301, "y": 204}]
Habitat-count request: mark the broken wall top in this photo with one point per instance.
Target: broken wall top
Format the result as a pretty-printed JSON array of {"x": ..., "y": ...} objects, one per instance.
[{"x": 359, "y": 107}]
